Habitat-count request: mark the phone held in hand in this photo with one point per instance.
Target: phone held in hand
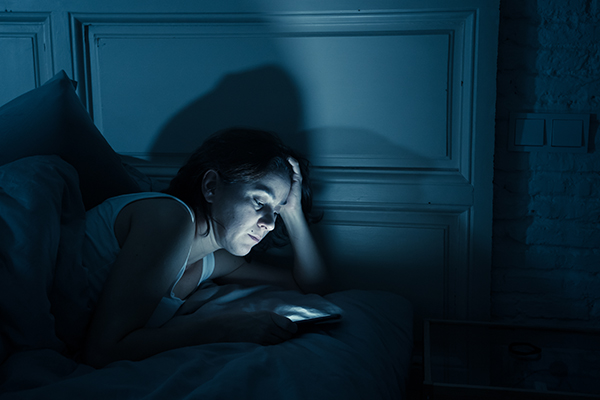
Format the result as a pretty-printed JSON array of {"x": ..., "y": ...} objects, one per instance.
[
  {"x": 318, "y": 319},
  {"x": 307, "y": 315}
]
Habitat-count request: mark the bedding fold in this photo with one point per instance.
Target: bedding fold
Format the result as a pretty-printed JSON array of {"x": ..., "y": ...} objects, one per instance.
[{"x": 42, "y": 286}]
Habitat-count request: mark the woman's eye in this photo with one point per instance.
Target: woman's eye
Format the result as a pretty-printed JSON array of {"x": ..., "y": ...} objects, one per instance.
[{"x": 259, "y": 205}]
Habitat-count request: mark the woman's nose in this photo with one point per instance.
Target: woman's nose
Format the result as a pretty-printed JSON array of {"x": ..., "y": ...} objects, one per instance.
[{"x": 267, "y": 221}]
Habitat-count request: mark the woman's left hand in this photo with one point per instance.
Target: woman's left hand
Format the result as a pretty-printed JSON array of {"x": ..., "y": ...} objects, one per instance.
[
  {"x": 294, "y": 200},
  {"x": 309, "y": 272}
]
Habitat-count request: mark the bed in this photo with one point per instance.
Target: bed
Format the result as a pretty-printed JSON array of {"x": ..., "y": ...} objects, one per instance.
[{"x": 55, "y": 165}]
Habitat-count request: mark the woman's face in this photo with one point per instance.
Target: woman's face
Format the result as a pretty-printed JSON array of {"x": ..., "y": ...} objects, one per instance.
[{"x": 244, "y": 213}]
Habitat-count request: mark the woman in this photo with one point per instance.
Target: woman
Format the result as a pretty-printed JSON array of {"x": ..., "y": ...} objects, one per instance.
[{"x": 152, "y": 250}]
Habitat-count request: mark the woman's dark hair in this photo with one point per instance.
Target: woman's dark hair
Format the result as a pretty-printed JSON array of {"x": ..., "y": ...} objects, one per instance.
[{"x": 240, "y": 155}]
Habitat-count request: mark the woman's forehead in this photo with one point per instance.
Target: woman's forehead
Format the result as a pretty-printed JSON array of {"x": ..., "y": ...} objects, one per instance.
[{"x": 273, "y": 185}]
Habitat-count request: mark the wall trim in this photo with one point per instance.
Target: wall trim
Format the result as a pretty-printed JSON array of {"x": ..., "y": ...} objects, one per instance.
[
  {"x": 458, "y": 26},
  {"x": 37, "y": 27}
]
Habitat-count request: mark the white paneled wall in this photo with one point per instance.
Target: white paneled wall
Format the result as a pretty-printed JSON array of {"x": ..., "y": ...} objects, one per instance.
[{"x": 25, "y": 51}]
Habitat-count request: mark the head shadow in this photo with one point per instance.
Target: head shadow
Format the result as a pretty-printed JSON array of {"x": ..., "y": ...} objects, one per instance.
[{"x": 263, "y": 98}]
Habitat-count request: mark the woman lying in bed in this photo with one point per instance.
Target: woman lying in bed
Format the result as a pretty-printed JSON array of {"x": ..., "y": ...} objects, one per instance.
[{"x": 147, "y": 251}]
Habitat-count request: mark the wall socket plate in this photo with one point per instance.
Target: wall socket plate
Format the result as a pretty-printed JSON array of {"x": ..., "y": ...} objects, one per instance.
[{"x": 548, "y": 132}]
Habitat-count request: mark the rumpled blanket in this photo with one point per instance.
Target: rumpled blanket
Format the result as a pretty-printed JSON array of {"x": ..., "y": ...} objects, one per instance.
[{"x": 43, "y": 304}]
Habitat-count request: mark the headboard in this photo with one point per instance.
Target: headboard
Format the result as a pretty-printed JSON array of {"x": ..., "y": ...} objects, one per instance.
[{"x": 393, "y": 104}]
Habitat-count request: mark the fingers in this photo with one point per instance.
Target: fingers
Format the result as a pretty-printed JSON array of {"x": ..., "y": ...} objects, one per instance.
[
  {"x": 296, "y": 168},
  {"x": 284, "y": 323},
  {"x": 267, "y": 328},
  {"x": 277, "y": 336},
  {"x": 293, "y": 204},
  {"x": 280, "y": 330}
]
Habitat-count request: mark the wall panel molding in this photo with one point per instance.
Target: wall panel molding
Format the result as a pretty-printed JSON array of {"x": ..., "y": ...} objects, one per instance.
[
  {"x": 91, "y": 31},
  {"x": 408, "y": 242},
  {"x": 25, "y": 51}
]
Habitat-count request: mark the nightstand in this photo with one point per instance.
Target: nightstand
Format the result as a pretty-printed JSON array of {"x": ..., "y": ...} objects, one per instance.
[{"x": 480, "y": 360}]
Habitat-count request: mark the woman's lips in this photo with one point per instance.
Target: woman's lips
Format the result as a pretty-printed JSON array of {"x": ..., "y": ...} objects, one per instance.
[{"x": 254, "y": 238}]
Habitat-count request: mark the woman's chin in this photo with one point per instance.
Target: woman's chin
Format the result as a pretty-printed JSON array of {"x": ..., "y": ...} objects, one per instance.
[{"x": 241, "y": 251}]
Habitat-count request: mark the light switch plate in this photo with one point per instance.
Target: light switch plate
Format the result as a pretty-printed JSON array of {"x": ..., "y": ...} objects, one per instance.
[
  {"x": 567, "y": 133},
  {"x": 549, "y": 132},
  {"x": 530, "y": 132}
]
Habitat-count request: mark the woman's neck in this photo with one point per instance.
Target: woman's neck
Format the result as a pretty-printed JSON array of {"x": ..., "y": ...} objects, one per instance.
[{"x": 203, "y": 244}]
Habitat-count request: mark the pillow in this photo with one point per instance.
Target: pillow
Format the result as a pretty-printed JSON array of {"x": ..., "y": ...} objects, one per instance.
[
  {"x": 51, "y": 120},
  {"x": 43, "y": 289}
]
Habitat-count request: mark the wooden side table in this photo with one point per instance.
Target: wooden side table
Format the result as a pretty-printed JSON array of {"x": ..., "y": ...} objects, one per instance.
[{"x": 481, "y": 360}]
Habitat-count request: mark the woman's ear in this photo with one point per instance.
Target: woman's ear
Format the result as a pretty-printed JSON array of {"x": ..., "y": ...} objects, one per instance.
[{"x": 209, "y": 185}]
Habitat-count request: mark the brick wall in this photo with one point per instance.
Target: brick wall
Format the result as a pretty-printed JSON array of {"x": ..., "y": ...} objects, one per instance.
[{"x": 546, "y": 237}]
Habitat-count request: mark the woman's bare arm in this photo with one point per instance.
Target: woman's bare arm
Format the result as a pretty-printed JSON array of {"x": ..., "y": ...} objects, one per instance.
[
  {"x": 155, "y": 249},
  {"x": 310, "y": 272}
]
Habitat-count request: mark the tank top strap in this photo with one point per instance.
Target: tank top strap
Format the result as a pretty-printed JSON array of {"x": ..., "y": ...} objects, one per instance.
[{"x": 208, "y": 267}]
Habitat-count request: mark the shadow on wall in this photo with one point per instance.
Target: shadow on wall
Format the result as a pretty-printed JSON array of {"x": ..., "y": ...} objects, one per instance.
[
  {"x": 263, "y": 98},
  {"x": 353, "y": 146},
  {"x": 516, "y": 92},
  {"x": 352, "y": 242},
  {"x": 268, "y": 98},
  {"x": 594, "y": 130}
]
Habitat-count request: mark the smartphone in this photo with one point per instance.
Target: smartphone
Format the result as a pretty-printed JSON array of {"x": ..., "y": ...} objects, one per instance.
[{"x": 318, "y": 319}]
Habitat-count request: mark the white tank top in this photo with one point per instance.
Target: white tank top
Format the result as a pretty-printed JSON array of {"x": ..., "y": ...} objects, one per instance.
[{"x": 100, "y": 250}]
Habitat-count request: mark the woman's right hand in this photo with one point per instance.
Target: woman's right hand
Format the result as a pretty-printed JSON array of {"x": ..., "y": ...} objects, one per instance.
[{"x": 261, "y": 327}]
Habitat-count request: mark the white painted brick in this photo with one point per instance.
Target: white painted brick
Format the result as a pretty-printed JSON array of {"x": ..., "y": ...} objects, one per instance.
[
  {"x": 536, "y": 284},
  {"x": 513, "y": 229},
  {"x": 568, "y": 63},
  {"x": 585, "y": 260},
  {"x": 567, "y": 35},
  {"x": 595, "y": 312},
  {"x": 514, "y": 96},
  {"x": 555, "y": 307},
  {"x": 547, "y": 182},
  {"x": 508, "y": 255},
  {"x": 521, "y": 33},
  {"x": 519, "y": 57},
  {"x": 527, "y": 307},
  {"x": 512, "y": 182},
  {"x": 581, "y": 285},
  {"x": 561, "y": 90},
  {"x": 564, "y": 208},
  {"x": 585, "y": 185},
  {"x": 546, "y": 233},
  {"x": 565, "y": 162},
  {"x": 562, "y": 10},
  {"x": 577, "y": 234},
  {"x": 519, "y": 9},
  {"x": 512, "y": 206},
  {"x": 504, "y": 305},
  {"x": 520, "y": 92},
  {"x": 512, "y": 161}
]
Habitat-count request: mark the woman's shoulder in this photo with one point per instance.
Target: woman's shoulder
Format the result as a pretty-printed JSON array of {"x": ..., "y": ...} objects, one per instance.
[
  {"x": 161, "y": 207},
  {"x": 156, "y": 215}
]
